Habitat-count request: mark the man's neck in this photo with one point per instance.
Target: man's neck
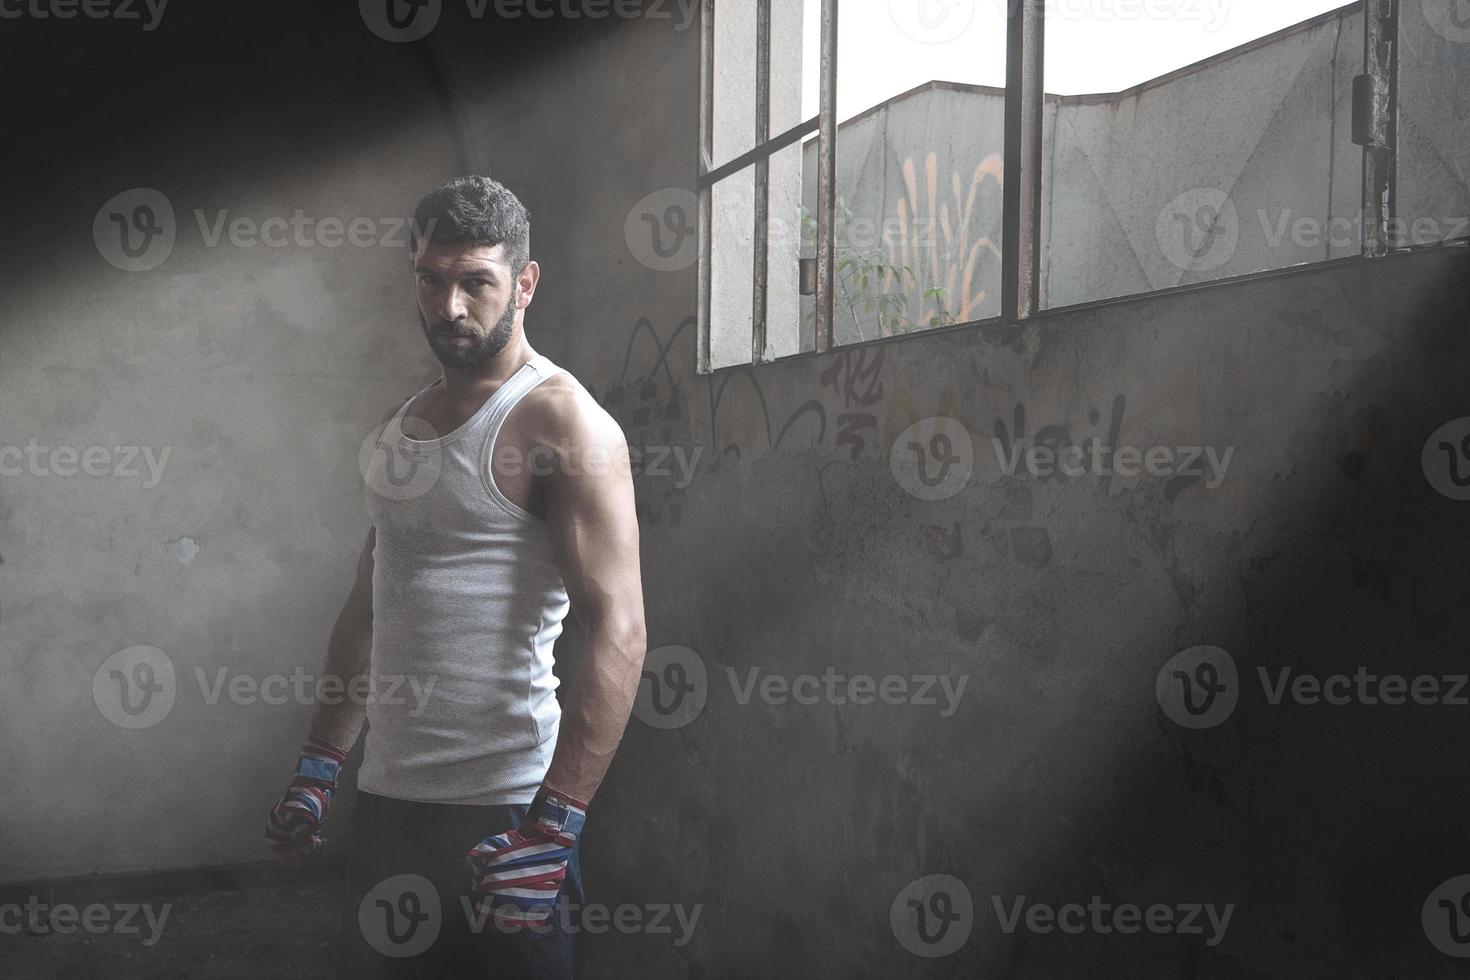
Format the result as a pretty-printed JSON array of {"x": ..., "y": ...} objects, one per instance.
[{"x": 474, "y": 385}]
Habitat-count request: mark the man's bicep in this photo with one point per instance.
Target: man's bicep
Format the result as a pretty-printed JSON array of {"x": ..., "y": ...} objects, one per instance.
[{"x": 594, "y": 522}]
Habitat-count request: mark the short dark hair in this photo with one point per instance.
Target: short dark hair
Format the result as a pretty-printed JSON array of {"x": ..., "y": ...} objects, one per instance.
[{"x": 475, "y": 210}]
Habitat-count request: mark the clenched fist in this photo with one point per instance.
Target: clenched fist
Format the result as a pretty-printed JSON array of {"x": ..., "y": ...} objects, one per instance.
[
  {"x": 294, "y": 824},
  {"x": 518, "y": 874}
]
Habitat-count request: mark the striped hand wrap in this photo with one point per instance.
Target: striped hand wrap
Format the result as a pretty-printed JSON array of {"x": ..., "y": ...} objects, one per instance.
[
  {"x": 518, "y": 874},
  {"x": 295, "y": 823}
]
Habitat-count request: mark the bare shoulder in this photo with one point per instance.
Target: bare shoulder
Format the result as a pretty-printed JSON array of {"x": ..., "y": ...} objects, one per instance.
[{"x": 561, "y": 413}]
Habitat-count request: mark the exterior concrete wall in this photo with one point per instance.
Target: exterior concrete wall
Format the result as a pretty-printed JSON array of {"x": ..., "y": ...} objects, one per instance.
[
  {"x": 1261, "y": 138},
  {"x": 1434, "y": 140}
]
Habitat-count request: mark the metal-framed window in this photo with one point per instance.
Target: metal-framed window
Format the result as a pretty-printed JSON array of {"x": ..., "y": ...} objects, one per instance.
[{"x": 1375, "y": 128}]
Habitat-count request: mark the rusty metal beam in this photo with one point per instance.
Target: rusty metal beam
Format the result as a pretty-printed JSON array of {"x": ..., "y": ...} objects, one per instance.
[
  {"x": 1021, "y": 189},
  {"x": 762, "y": 201},
  {"x": 768, "y": 149},
  {"x": 1375, "y": 114},
  {"x": 827, "y": 179},
  {"x": 706, "y": 191}
]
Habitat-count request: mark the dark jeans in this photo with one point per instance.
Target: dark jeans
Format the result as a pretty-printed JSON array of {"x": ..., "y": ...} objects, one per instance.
[{"x": 408, "y": 884}]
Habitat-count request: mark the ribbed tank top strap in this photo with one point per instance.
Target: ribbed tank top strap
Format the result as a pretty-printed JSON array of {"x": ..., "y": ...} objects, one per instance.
[{"x": 531, "y": 374}]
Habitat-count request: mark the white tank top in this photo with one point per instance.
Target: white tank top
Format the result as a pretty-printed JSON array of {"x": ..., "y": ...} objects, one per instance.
[{"x": 467, "y": 594}]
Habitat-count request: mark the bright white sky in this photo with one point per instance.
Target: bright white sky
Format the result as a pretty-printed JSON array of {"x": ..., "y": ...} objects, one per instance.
[{"x": 888, "y": 46}]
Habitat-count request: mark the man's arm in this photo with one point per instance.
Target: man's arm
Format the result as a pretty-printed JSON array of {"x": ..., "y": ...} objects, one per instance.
[
  {"x": 518, "y": 874},
  {"x": 293, "y": 826},
  {"x": 594, "y": 523},
  {"x": 349, "y": 650}
]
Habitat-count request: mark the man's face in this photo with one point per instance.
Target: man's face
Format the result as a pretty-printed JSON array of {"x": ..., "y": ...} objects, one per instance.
[{"x": 468, "y": 300}]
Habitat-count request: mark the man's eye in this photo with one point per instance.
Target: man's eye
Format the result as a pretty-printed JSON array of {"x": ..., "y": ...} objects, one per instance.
[{"x": 476, "y": 283}]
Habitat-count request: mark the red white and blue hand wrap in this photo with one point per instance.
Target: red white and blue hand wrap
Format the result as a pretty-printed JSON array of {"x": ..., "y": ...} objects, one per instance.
[
  {"x": 295, "y": 823},
  {"x": 518, "y": 874}
]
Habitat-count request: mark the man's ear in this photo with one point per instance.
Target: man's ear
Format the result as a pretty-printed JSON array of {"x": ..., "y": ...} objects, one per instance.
[{"x": 527, "y": 281}]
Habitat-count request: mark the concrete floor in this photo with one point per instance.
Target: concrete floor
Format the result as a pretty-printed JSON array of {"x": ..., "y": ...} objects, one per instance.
[{"x": 287, "y": 932}]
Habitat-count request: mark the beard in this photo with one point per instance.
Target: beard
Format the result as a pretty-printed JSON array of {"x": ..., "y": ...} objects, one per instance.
[{"x": 480, "y": 349}]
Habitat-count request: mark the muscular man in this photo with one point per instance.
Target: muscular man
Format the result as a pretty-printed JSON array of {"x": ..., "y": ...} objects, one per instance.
[{"x": 500, "y": 496}]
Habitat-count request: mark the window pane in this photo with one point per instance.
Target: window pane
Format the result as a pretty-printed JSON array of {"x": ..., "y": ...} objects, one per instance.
[
  {"x": 732, "y": 241},
  {"x": 919, "y": 165},
  {"x": 1221, "y": 159},
  {"x": 1434, "y": 123},
  {"x": 732, "y": 209},
  {"x": 736, "y": 65},
  {"x": 734, "y": 85}
]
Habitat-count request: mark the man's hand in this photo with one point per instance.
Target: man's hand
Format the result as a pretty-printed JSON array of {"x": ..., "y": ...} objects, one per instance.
[
  {"x": 517, "y": 875},
  {"x": 294, "y": 824}
]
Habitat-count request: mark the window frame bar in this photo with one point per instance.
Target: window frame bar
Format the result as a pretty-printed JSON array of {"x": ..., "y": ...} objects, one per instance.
[
  {"x": 705, "y": 232},
  {"x": 762, "y": 203},
  {"x": 1381, "y": 65},
  {"x": 827, "y": 180},
  {"x": 1020, "y": 249}
]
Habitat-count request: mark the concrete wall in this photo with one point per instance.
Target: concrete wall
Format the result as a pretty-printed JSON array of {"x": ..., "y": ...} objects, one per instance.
[
  {"x": 796, "y": 550},
  {"x": 258, "y": 370}
]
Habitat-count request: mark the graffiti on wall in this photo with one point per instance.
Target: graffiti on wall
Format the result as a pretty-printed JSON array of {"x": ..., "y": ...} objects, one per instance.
[{"x": 938, "y": 239}]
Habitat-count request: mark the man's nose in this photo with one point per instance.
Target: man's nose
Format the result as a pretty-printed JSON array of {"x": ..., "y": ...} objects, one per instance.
[{"x": 452, "y": 306}]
